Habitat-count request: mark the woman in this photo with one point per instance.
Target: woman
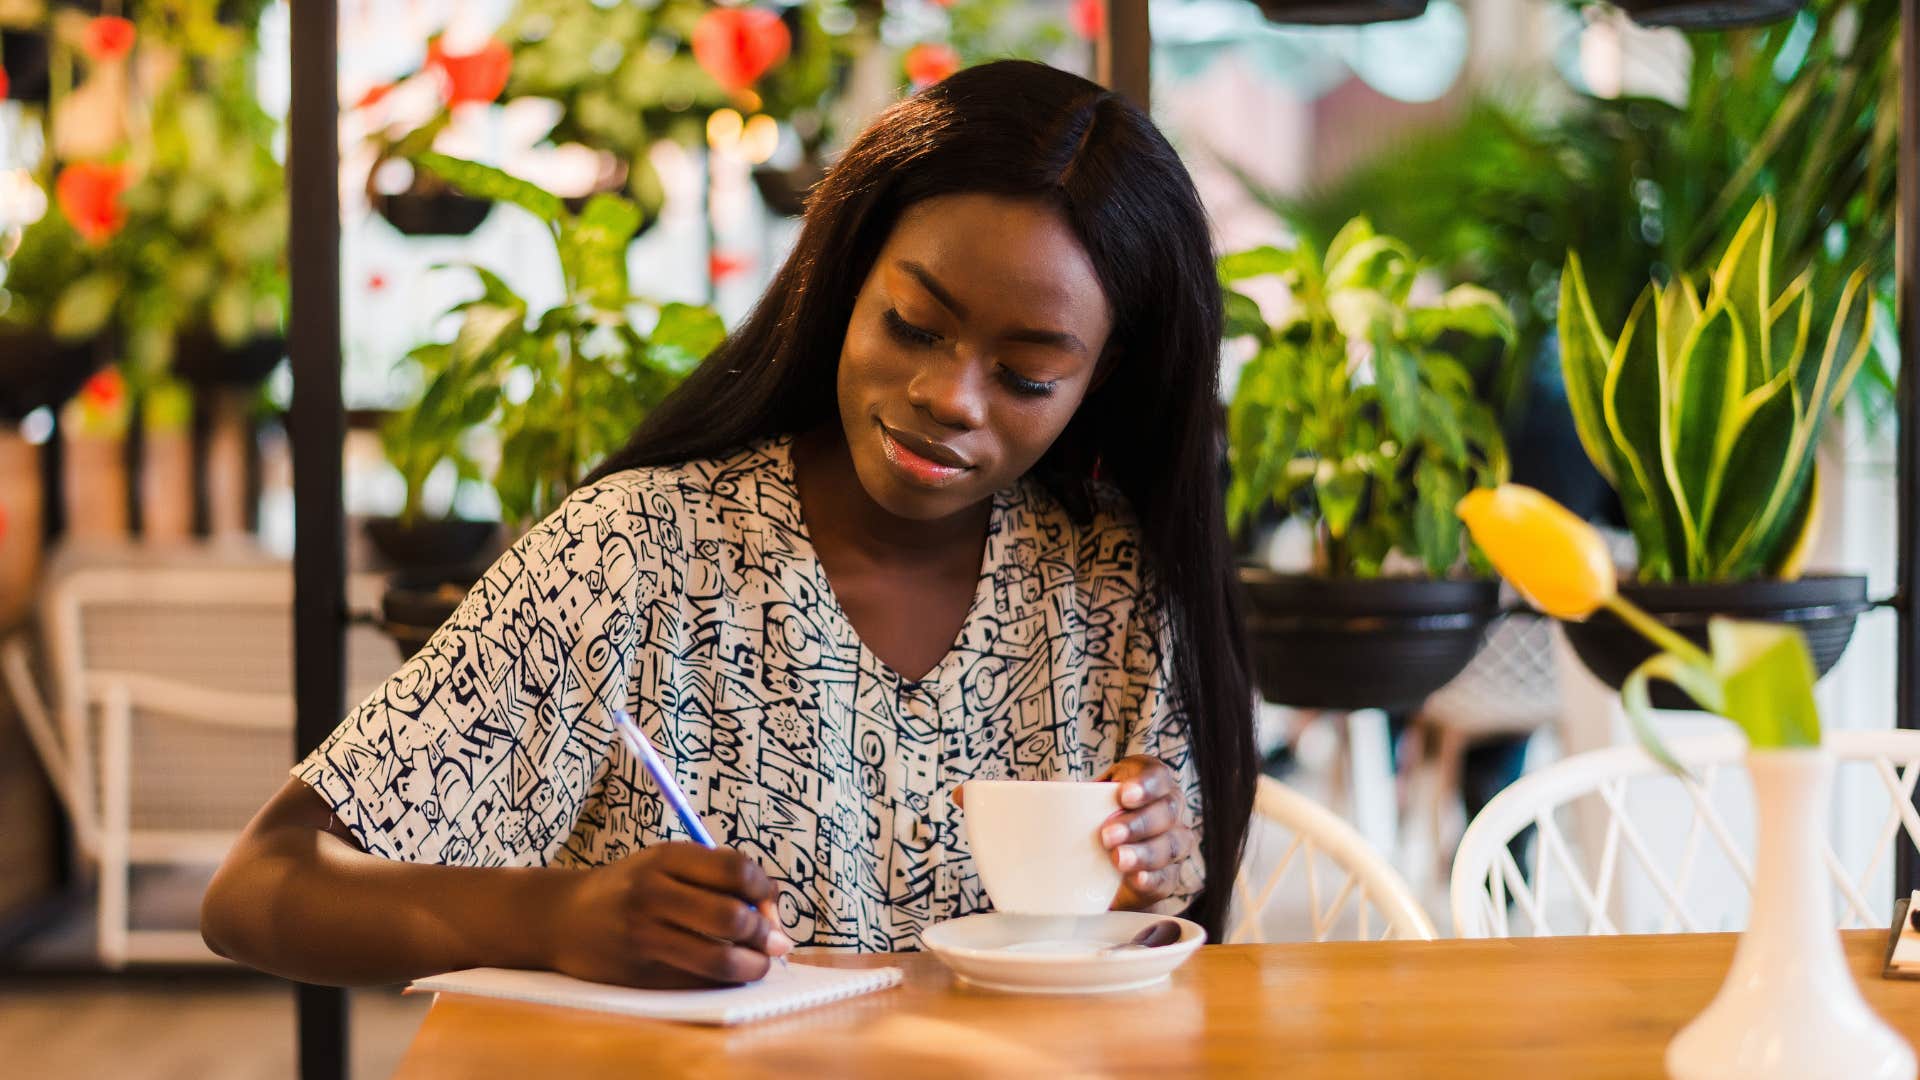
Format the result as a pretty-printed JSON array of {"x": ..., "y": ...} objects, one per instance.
[{"x": 860, "y": 557}]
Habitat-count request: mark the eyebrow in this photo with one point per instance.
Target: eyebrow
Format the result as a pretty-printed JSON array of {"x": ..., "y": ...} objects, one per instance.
[{"x": 1057, "y": 338}]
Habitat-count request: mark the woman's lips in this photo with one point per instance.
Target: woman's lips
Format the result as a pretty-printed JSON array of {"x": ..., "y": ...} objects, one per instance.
[{"x": 919, "y": 469}]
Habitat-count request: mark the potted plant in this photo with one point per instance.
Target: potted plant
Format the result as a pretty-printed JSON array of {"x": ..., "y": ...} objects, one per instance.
[
  {"x": 1704, "y": 412},
  {"x": 1353, "y": 419},
  {"x": 560, "y": 388}
]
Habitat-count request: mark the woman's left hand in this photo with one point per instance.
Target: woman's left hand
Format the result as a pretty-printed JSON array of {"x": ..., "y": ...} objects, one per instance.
[{"x": 1146, "y": 839}]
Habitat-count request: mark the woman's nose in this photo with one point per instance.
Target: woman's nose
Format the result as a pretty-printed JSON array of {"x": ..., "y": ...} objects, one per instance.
[{"x": 952, "y": 390}]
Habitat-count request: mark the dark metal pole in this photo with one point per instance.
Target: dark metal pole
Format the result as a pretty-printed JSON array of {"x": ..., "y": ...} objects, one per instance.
[
  {"x": 1907, "y": 276},
  {"x": 1123, "y": 58},
  {"x": 317, "y": 427}
]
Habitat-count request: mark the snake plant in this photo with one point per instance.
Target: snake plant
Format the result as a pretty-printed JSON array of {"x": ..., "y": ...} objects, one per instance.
[{"x": 1705, "y": 412}]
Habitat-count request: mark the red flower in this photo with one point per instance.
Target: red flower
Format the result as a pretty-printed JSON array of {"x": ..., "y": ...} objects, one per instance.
[
  {"x": 476, "y": 76},
  {"x": 375, "y": 96},
  {"x": 376, "y": 281},
  {"x": 108, "y": 37},
  {"x": 721, "y": 266},
  {"x": 105, "y": 390},
  {"x": 1088, "y": 18},
  {"x": 738, "y": 45},
  {"x": 3, "y": 84},
  {"x": 89, "y": 195},
  {"x": 930, "y": 62}
]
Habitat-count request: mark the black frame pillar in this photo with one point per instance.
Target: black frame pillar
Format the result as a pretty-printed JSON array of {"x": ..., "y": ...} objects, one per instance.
[
  {"x": 317, "y": 427},
  {"x": 1123, "y": 57},
  {"x": 1907, "y": 300}
]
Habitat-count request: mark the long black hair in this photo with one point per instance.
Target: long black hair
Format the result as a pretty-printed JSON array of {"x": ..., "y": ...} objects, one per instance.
[{"x": 1025, "y": 130}]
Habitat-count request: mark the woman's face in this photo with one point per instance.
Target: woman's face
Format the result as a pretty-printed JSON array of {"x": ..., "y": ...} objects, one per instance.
[{"x": 975, "y": 337}]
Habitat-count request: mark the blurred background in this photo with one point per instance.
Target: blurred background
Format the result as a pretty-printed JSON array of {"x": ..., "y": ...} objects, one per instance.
[{"x": 512, "y": 171}]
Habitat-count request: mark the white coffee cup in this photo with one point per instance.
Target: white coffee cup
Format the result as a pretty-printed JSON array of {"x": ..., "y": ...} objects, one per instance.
[{"x": 1037, "y": 844}]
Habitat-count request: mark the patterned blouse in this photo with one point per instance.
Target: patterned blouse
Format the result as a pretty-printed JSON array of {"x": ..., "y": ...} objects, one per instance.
[{"x": 691, "y": 596}]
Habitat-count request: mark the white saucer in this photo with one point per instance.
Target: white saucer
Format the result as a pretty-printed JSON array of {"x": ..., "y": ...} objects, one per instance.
[{"x": 1044, "y": 954}]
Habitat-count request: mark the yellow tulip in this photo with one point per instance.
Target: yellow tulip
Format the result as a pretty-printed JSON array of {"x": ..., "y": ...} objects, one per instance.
[{"x": 1554, "y": 559}]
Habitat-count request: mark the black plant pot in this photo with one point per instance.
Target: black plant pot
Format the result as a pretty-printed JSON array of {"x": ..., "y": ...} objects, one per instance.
[
  {"x": 416, "y": 603},
  {"x": 24, "y": 57},
  {"x": 36, "y": 370},
  {"x": 439, "y": 213},
  {"x": 1823, "y": 608},
  {"x": 432, "y": 545},
  {"x": 203, "y": 360},
  {"x": 1340, "y": 12},
  {"x": 1708, "y": 14},
  {"x": 785, "y": 190},
  {"x": 1321, "y": 643}
]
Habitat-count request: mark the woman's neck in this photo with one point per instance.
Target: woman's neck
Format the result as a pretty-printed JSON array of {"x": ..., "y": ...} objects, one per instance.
[{"x": 836, "y": 506}]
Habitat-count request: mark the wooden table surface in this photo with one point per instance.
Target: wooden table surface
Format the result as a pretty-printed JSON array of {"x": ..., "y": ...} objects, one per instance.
[{"x": 1554, "y": 1007}]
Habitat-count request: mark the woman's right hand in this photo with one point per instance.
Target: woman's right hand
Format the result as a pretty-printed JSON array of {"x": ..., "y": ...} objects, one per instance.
[{"x": 673, "y": 915}]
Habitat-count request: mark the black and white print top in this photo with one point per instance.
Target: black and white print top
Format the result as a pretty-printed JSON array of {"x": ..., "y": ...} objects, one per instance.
[{"x": 691, "y": 597}]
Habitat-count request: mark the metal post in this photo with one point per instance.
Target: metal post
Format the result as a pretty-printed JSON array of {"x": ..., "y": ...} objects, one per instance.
[
  {"x": 317, "y": 429},
  {"x": 1123, "y": 58},
  {"x": 1907, "y": 233}
]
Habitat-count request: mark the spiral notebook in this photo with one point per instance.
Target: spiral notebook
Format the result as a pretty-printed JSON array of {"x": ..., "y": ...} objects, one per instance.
[{"x": 784, "y": 990}]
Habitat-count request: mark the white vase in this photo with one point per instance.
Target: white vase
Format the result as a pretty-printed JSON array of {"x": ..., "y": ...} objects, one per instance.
[{"x": 1789, "y": 1007}]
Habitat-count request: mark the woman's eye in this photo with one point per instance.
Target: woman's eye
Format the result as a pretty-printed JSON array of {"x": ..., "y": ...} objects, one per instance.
[
  {"x": 1019, "y": 384},
  {"x": 907, "y": 332}
]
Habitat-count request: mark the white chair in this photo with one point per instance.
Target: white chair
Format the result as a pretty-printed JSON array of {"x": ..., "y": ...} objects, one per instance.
[
  {"x": 1493, "y": 897},
  {"x": 170, "y": 721},
  {"x": 1351, "y": 892}
]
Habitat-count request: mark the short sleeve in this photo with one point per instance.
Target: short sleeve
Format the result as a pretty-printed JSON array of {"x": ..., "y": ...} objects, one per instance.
[
  {"x": 1160, "y": 729},
  {"x": 483, "y": 748}
]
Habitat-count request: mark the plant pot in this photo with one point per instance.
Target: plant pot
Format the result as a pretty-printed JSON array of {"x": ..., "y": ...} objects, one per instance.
[
  {"x": 25, "y": 58},
  {"x": 1789, "y": 1009},
  {"x": 1823, "y": 608},
  {"x": 416, "y": 603},
  {"x": 785, "y": 190},
  {"x": 1708, "y": 14},
  {"x": 431, "y": 544},
  {"x": 1340, "y": 12},
  {"x": 166, "y": 487},
  {"x": 1325, "y": 643},
  {"x": 39, "y": 371},
  {"x": 203, "y": 360},
  {"x": 439, "y": 213}
]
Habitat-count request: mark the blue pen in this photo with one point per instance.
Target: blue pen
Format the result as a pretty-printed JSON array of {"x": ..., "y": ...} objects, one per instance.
[{"x": 643, "y": 749}]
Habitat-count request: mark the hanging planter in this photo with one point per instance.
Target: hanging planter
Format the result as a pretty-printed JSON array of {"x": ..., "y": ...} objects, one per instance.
[
  {"x": 431, "y": 213},
  {"x": 24, "y": 60},
  {"x": 40, "y": 371},
  {"x": 1385, "y": 643},
  {"x": 203, "y": 360},
  {"x": 1822, "y": 608},
  {"x": 1341, "y": 12},
  {"x": 431, "y": 543},
  {"x": 1708, "y": 14}
]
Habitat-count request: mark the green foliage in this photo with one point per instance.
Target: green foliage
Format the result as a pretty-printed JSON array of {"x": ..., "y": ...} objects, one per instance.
[
  {"x": 1806, "y": 110},
  {"x": 1758, "y": 675},
  {"x": 562, "y": 388},
  {"x": 1705, "y": 413},
  {"x": 1378, "y": 464}
]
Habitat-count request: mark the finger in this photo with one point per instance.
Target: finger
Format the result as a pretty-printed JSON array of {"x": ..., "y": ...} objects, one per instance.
[
  {"x": 710, "y": 914},
  {"x": 1133, "y": 826},
  {"x": 1153, "y": 853},
  {"x": 959, "y": 796},
  {"x": 702, "y": 957},
  {"x": 1152, "y": 885},
  {"x": 1142, "y": 780},
  {"x": 720, "y": 870}
]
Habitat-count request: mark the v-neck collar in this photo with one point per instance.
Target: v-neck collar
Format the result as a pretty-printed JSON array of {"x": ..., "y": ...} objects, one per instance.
[{"x": 780, "y": 450}]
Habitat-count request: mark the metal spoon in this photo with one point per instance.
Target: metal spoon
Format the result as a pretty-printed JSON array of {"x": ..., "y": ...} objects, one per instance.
[{"x": 1164, "y": 932}]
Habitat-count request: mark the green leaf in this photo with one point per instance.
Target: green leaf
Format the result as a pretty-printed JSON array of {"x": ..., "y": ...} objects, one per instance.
[
  {"x": 1436, "y": 527},
  {"x": 1767, "y": 677},
  {"x": 1635, "y": 697},
  {"x": 684, "y": 336},
  {"x": 1399, "y": 382},
  {"x": 1756, "y": 463},
  {"x": 1260, "y": 261},
  {"x": 85, "y": 306},
  {"x": 486, "y": 182},
  {"x": 1338, "y": 489},
  {"x": 1243, "y": 319},
  {"x": 1466, "y": 309},
  {"x": 482, "y": 329},
  {"x": 1585, "y": 351},
  {"x": 1635, "y": 408},
  {"x": 1709, "y": 379},
  {"x": 1742, "y": 283},
  {"x": 598, "y": 241}
]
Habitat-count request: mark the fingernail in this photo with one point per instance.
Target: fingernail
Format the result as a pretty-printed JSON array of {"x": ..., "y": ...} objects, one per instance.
[
  {"x": 1129, "y": 858},
  {"x": 1132, "y": 793},
  {"x": 1113, "y": 835},
  {"x": 779, "y": 944},
  {"x": 1143, "y": 878}
]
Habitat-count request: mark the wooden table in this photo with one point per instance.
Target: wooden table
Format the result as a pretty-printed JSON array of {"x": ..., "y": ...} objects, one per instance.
[{"x": 1556, "y": 1007}]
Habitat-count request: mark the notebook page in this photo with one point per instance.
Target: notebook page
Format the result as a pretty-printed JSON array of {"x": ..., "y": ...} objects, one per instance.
[{"x": 785, "y": 989}]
